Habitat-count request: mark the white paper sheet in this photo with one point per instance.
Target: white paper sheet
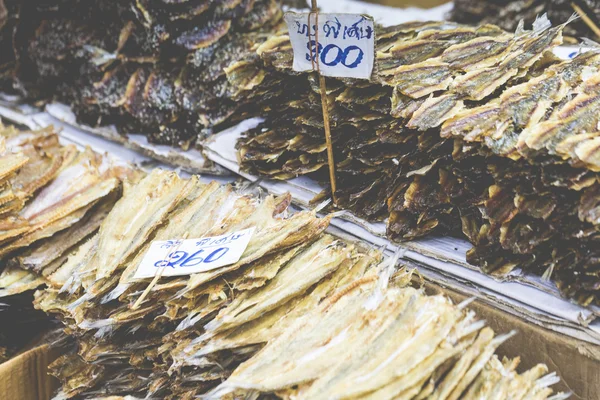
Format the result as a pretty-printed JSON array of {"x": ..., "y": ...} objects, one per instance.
[
  {"x": 191, "y": 160},
  {"x": 386, "y": 15}
]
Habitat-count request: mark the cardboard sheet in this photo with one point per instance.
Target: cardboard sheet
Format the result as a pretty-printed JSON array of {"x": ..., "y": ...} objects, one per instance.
[{"x": 25, "y": 377}]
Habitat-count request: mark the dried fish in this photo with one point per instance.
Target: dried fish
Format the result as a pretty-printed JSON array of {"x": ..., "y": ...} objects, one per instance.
[
  {"x": 455, "y": 133},
  {"x": 297, "y": 297},
  {"x": 508, "y": 13},
  {"x": 152, "y": 67}
]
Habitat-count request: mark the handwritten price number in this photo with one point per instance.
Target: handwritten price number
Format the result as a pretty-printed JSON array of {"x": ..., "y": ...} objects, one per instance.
[
  {"x": 341, "y": 55},
  {"x": 185, "y": 259},
  {"x": 170, "y": 243},
  {"x": 350, "y": 56}
]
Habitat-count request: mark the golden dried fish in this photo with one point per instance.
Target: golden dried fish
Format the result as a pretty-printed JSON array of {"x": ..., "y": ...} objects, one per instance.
[
  {"x": 75, "y": 263},
  {"x": 307, "y": 268},
  {"x": 478, "y": 53},
  {"x": 11, "y": 163},
  {"x": 435, "y": 110},
  {"x": 274, "y": 323},
  {"x": 124, "y": 231},
  {"x": 16, "y": 280},
  {"x": 41, "y": 256},
  {"x": 580, "y": 111},
  {"x": 418, "y": 80}
]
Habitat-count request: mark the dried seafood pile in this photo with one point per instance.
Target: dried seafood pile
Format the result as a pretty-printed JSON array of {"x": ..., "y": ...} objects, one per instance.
[
  {"x": 508, "y": 13},
  {"x": 277, "y": 323},
  {"x": 155, "y": 67},
  {"x": 459, "y": 129},
  {"x": 52, "y": 198},
  {"x": 384, "y": 129}
]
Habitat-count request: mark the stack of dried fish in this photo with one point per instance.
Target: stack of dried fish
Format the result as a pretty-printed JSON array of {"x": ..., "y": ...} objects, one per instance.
[
  {"x": 540, "y": 142},
  {"x": 296, "y": 298},
  {"x": 151, "y": 67},
  {"x": 387, "y": 148},
  {"x": 405, "y": 345},
  {"x": 508, "y": 13},
  {"x": 457, "y": 129},
  {"x": 52, "y": 198}
]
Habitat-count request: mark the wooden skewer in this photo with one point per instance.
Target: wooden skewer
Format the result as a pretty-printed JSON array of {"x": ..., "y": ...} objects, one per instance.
[
  {"x": 586, "y": 19},
  {"x": 324, "y": 105},
  {"x": 158, "y": 275}
]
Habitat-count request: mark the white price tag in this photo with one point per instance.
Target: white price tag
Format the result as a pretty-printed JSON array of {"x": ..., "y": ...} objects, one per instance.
[
  {"x": 346, "y": 44},
  {"x": 191, "y": 256}
]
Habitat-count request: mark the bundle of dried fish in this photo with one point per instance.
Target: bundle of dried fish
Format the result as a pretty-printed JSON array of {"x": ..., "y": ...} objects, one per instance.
[
  {"x": 508, "y": 13},
  {"x": 153, "y": 67},
  {"x": 97, "y": 285},
  {"x": 296, "y": 296},
  {"x": 414, "y": 346},
  {"x": 292, "y": 288},
  {"x": 543, "y": 167},
  {"x": 53, "y": 198},
  {"x": 391, "y": 150},
  {"x": 461, "y": 130}
]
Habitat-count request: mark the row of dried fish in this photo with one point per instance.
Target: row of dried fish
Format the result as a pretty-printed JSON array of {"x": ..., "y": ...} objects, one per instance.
[
  {"x": 152, "y": 67},
  {"x": 382, "y": 140},
  {"x": 460, "y": 130},
  {"x": 507, "y": 13},
  {"x": 279, "y": 322},
  {"x": 52, "y": 197}
]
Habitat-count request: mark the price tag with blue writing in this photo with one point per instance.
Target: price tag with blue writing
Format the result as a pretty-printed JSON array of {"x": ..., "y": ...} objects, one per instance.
[
  {"x": 346, "y": 44},
  {"x": 191, "y": 256}
]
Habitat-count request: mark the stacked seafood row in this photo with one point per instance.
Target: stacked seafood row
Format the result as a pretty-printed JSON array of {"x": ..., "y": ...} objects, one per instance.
[
  {"x": 458, "y": 127},
  {"x": 297, "y": 297},
  {"x": 150, "y": 67},
  {"x": 508, "y": 13},
  {"x": 542, "y": 208},
  {"x": 389, "y": 149},
  {"x": 52, "y": 198},
  {"x": 278, "y": 322}
]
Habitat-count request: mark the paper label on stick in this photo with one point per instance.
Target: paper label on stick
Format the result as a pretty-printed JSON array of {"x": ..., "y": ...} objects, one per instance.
[
  {"x": 345, "y": 48},
  {"x": 191, "y": 256}
]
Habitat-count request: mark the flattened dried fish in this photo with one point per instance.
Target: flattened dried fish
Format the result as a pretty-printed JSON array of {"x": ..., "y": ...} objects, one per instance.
[
  {"x": 123, "y": 232},
  {"x": 307, "y": 268}
]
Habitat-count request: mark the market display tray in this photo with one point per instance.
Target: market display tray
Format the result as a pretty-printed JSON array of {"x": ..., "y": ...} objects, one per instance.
[{"x": 439, "y": 259}]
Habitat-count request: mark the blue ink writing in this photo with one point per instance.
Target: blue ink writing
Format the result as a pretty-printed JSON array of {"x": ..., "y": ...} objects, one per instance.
[
  {"x": 332, "y": 55},
  {"x": 184, "y": 259}
]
